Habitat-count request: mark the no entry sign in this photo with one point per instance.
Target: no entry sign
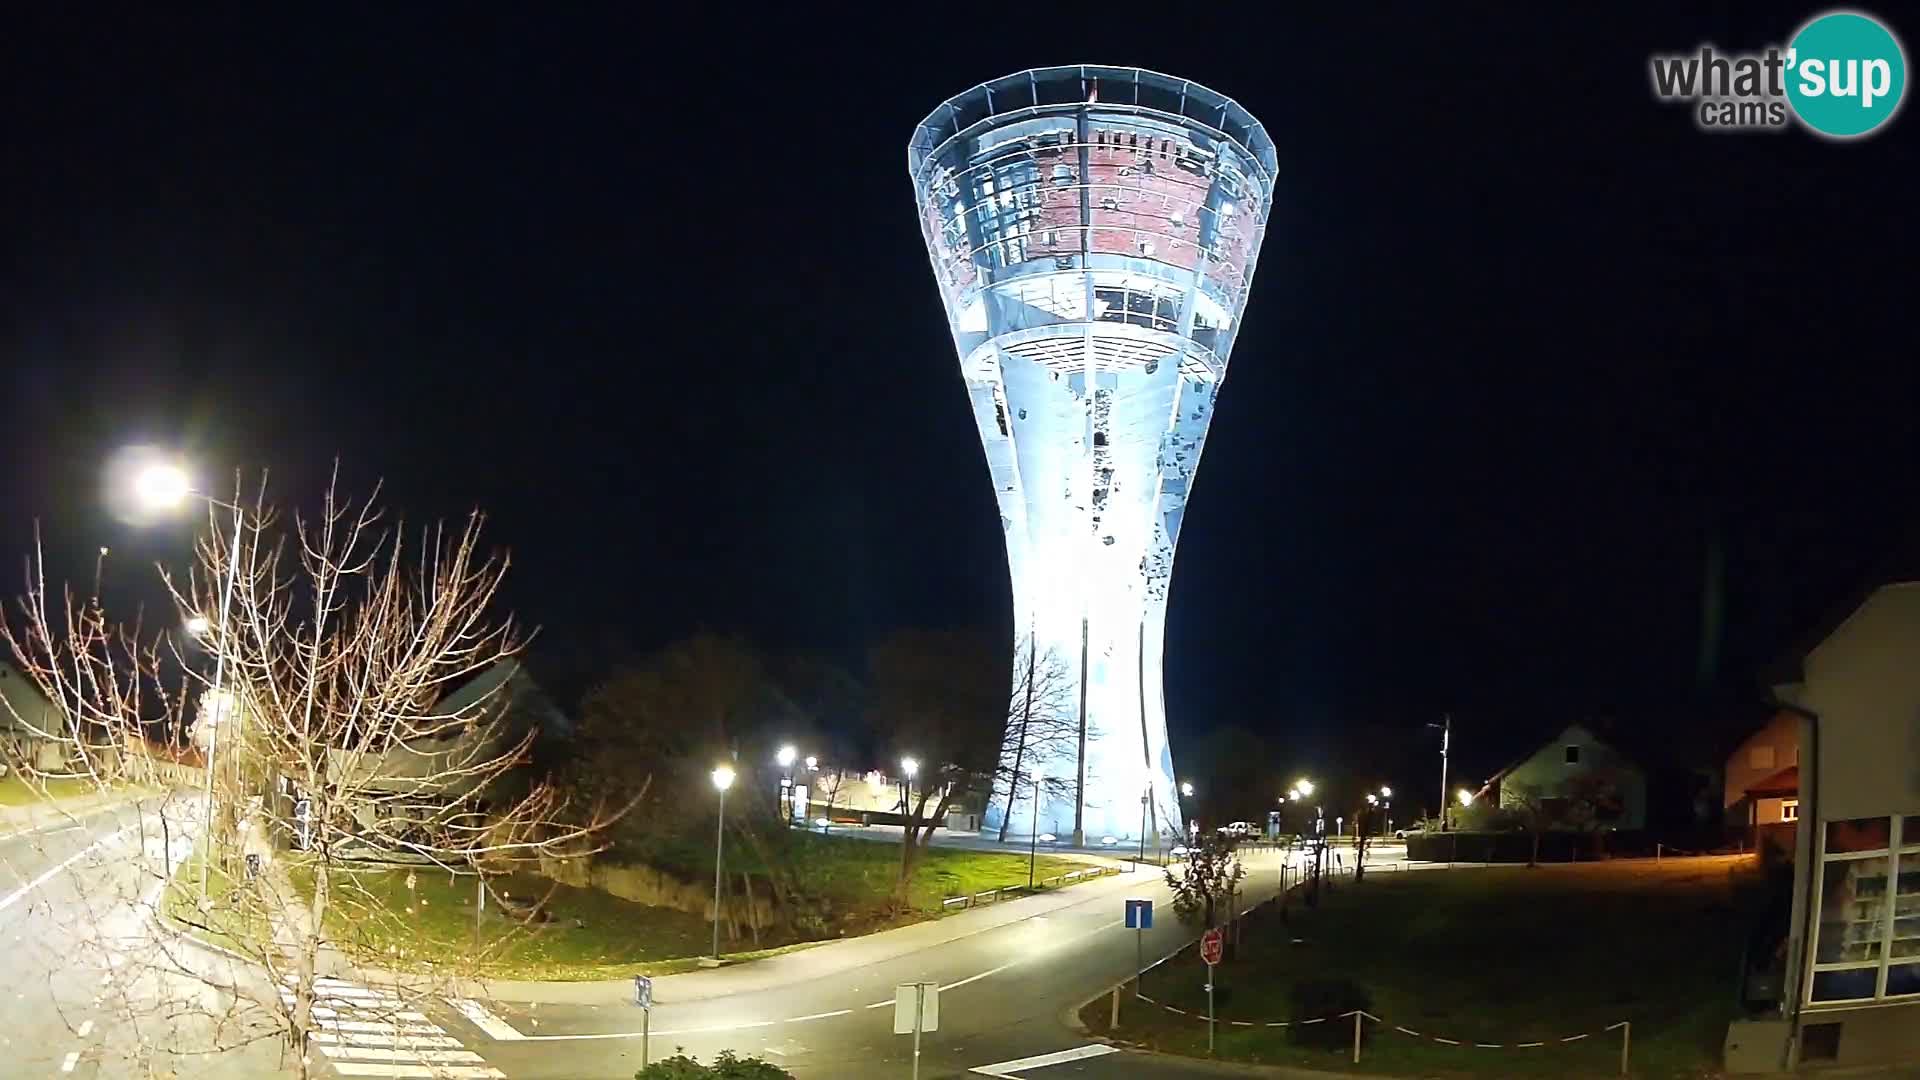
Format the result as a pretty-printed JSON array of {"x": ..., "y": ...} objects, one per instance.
[{"x": 1210, "y": 946}]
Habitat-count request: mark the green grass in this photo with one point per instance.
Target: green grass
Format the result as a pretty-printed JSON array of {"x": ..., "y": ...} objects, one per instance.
[
  {"x": 15, "y": 790},
  {"x": 589, "y": 934},
  {"x": 858, "y": 876},
  {"x": 1502, "y": 955},
  {"x": 233, "y": 918}
]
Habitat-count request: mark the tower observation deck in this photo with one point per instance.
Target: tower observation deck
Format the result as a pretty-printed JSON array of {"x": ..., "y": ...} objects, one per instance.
[{"x": 1093, "y": 231}]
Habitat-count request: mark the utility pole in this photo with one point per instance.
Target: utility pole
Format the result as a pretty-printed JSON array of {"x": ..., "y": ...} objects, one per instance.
[{"x": 1446, "y": 740}]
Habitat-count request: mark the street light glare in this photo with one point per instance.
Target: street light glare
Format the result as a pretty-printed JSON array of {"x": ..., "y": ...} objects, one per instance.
[
  {"x": 1466, "y": 797},
  {"x": 1304, "y": 787},
  {"x": 198, "y": 626},
  {"x": 812, "y": 762},
  {"x": 1386, "y": 793},
  {"x": 723, "y": 778},
  {"x": 786, "y": 755},
  {"x": 909, "y": 766},
  {"x": 1187, "y": 790},
  {"x": 161, "y": 486}
]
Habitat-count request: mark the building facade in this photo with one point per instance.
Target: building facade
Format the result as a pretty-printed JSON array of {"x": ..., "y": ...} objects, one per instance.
[
  {"x": 1093, "y": 231},
  {"x": 1576, "y": 768},
  {"x": 1854, "y": 947}
]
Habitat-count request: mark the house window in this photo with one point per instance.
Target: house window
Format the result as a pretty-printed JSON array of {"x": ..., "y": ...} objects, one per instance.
[
  {"x": 1573, "y": 755},
  {"x": 1867, "y": 924},
  {"x": 1789, "y": 809},
  {"x": 1760, "y": 757}
]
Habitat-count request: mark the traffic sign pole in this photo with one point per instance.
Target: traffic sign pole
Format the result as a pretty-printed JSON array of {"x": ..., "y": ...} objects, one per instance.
[
  {"x": 919, "y": 1010},
  {"x": 1210, "y": 970}
]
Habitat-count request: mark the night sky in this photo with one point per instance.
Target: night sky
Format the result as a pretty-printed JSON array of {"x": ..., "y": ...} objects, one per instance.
[{"x": 1523, "y": 349}]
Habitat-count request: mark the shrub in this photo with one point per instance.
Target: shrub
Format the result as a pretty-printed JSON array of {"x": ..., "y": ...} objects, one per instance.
[
  {"x": 1328, "y": 998},
  {"x": 724, "y": 1067}
]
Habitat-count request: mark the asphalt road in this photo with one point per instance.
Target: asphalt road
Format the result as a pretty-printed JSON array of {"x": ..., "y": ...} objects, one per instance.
[
  {"x": 85, "y": 992},
  {"x": 1005, "y": 993}
]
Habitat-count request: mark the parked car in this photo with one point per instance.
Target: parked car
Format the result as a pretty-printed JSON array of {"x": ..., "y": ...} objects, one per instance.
[
  {"x": 1416, "y": 829},
  {"x": 1237, "y": 829}
]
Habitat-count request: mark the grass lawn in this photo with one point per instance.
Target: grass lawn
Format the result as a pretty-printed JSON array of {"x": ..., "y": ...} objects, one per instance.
[
  {"x": 1503, "y": 955},
  {"x": 16, "y": 791},
  {"x": 234, "y": 917},
  {"x": 594, "y": 935},
  {"x": 858, "y": 875},
  {"x": 589, "y": 934}
]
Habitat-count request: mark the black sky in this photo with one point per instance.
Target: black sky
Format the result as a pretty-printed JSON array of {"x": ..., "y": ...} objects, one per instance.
[{"x": 650, "y": 290}]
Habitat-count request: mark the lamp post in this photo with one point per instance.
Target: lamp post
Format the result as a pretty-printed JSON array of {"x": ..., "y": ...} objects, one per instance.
[
  {"x": 785, "y": 758},
  {"x": 1386, "y": 796},
  {"x": 166, "y": 487},
  {"x": 1446, "y": 742},
  {"x": 908, "y": 766},
  {"x": 722, "y": 780},
  {"x": 1033, "y": 840}
]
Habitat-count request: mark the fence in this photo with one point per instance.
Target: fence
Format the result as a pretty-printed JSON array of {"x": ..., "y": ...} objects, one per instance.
[{"x": 1359, "y": 1017}]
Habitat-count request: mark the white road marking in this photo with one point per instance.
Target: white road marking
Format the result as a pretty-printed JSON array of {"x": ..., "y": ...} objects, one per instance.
[
  {"x": 485, "y": 1020},
  {"x": 387, "y": 1039},
  {"x": 421, "y": 1072},
  {"x": 1041, "y": 1061},
  {"x": 72, "y": 1059},
  {"x": 383, "y": 1053},
  {"x": 13, "y": 897},
  {"x": 818, "y": 1016}
]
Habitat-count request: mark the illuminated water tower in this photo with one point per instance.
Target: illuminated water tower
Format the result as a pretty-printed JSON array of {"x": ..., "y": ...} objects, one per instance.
[{"x": 1094, "y": 232}]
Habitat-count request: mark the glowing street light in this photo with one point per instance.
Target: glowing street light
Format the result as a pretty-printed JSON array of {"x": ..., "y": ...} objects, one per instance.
[
  {"x": 722, "y": 780},
  {"x": 1304, "y": 787},
  {"x": 813, "y": 763},
  {"x": 1373, "y": 800},
  {"x": 909, "y": 766},
  {"x": 162, "y": 486},
  {"x": 786, "y": 756},
  {"x": 1186, "y": 788},
  {"x": 1466, "y": 797},
  {"x": 165, "y": 485}
]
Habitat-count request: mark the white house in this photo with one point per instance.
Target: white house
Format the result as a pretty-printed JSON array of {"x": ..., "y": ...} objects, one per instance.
[
  {"x": 33, "y": 730},
  {"x": 1577, "y": 765}
]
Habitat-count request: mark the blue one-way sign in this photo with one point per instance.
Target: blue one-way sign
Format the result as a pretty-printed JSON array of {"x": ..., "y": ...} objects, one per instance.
[{"x": 1139, "y": 914}]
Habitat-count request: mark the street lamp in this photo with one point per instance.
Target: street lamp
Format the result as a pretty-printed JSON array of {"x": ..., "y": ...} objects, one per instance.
[
  {"x": 909, "y": 766},
  {"x": 785, "y": 758},
  {"x": 813, "y": 763},
  {"x": 1304, "y": 787},
  {"x": 1186, "y": 789},
  {"x": 166, "y": 486},
  {"x": 722, "y": 780},
  {"x": 1466, "y": 797},
  {"x": 1386, "y": 796},
  {"x": 1033, "y": 841}
]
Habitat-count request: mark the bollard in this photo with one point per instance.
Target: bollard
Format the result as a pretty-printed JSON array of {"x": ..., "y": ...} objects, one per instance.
[
  {"x": 1626, "y": 1040},
  {"x": 1113, "y": 1021},
  {"x": 1356, "y": 1036}
]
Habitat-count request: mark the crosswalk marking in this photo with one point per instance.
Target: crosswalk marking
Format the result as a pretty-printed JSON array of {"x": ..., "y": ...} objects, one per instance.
[
  {"x": 365, "y": 1032},
  {"x": 417, "y": 1072}
]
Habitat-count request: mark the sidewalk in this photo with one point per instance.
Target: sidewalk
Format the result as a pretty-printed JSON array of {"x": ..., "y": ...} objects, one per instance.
[{"x": 830, "y": 958}]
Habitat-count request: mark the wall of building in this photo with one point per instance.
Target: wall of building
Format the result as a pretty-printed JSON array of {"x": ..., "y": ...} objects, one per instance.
[
  {"x": 1548, "y": 772},
  {"x": 1863, "y": 685},
  {"x": 1774, "y": 747}
]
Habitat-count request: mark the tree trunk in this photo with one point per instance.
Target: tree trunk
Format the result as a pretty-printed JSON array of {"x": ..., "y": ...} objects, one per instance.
[{"x": 1020, "y": 749}]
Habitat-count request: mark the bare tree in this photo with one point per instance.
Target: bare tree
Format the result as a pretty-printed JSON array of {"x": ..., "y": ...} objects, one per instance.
[
  {"x": 364, "y": 710},
  {"x": 1041, "y": 728}
]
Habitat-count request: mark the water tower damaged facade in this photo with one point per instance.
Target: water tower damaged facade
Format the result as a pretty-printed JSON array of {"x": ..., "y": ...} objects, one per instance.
[{"x": 1093, "y": 231}]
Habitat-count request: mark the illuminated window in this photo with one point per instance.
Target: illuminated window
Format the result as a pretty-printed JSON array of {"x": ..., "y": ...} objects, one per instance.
[
  {"x": 1789, "y": 809},
  {"x": 1867, "y": 936}
]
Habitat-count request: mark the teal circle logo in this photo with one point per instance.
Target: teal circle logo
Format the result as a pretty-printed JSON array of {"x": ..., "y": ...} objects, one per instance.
[{"x": 1845, "y": 74}]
